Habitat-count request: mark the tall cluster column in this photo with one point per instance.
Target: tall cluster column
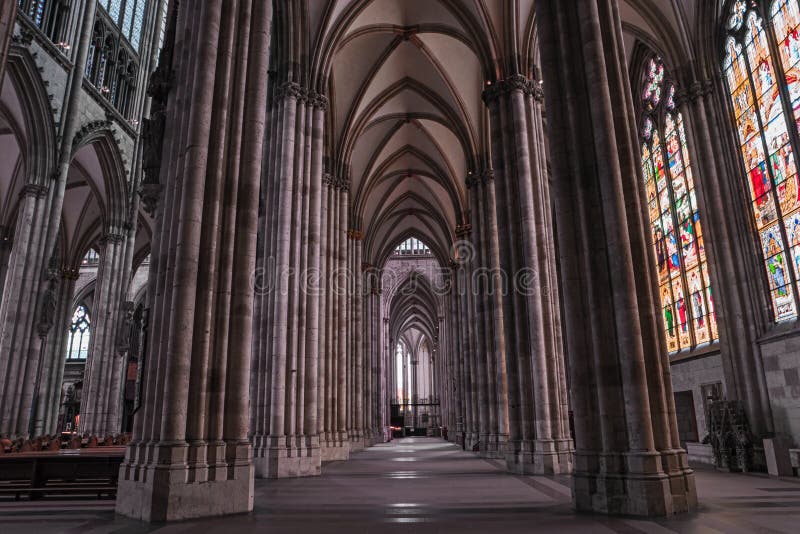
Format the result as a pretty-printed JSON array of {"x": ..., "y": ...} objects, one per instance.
[
  {"x": 48, "y": 393},
  {"x": 101, "y": 402},
  {"x": 19, "y": 343},
  {"x": 8, "y": 12},
  {"x": 464, "y": 252},
  {"x": 190, "y": 455},
  {"x": 488, "y": 287},
  {"x": 705, "y": 109},
  {"x": 626, "y": 459},
  {"x": 373, "y": 362},
  {"x": 539, "y": 427},
  {"x": 286, "y": 435},
  {"x": 356, "y": 334},
  {"x": 34, "y": 244},
  {"x": 335, "y": 443}
]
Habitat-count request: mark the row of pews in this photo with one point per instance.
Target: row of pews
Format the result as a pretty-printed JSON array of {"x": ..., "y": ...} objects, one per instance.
[{"x": 75, "y": 466}]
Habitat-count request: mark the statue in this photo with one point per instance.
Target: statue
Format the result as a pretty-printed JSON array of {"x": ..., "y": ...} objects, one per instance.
[{"x": 49, "y": 302}]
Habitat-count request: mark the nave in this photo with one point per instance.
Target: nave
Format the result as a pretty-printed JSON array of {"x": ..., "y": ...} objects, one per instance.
[{"x": 426, "y": 485}]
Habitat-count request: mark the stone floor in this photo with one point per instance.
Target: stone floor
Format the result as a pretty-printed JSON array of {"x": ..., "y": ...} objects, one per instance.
[{"x": 427, "y": 485}]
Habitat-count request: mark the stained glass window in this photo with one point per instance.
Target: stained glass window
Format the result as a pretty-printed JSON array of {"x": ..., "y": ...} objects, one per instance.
[
  {"x": 50, "y": 16},
  {"x": 78, "y": 340},
  {"x": 761, "y": 101},
  {"x": 128, "y": 16},
  {"x": 687, "y": 304}
]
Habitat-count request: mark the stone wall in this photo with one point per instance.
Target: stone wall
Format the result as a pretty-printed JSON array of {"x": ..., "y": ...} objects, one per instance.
[
  {"x": 692, "y": 374},
  {"x": 781, "y": 357}
]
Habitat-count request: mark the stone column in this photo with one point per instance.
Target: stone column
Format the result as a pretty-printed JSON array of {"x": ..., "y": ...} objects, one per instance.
[
  {"x": 8, "y": 13},
  {"x": 343, "y": 305},
  {"x": 18, "y": 313},
  {"x": 714, "y": 147},
  {"x": 101, "y": 402},
  {"x": 465, "y": 319},
  {"x": 624, "y": 462},
  {"x": 357, "y": 351},
  {"x": 191, "y": 459},
  {"x": 482, "y": 357},
  {"x": 541, "y": 443},
  {"x": 34, "y": 243},
  {"x": 54, "y": 355}
]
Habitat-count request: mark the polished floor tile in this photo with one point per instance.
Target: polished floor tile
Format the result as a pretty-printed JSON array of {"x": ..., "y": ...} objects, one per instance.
[{"x": 426, "y": 485}]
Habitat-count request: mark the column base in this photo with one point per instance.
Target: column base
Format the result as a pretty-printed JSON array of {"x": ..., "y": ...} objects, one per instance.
[
  {"x": 493, "y": 446},
  {"x": 356, "y": 439},
  {"x": 472, "y": 439},
  {"x": 288, "y": 457},
  {"x": 632, "y": 484},
  {"x": 165, "y": 487},
  {"x": 335, "y": 448},
  {"x": 540, "y": 457}
]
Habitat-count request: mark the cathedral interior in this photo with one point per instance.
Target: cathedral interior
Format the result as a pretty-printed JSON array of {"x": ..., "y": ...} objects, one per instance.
[{"x": 394, "y": 265}]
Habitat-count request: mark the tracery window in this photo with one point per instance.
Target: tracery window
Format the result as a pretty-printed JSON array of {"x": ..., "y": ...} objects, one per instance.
[
  {"x": 50, "y": 16},
  {"x": 412, "y": 246},
  {"x": 111, "y": 66},
  {"x": 79, "y": 331},
  {"x": 128, "y": 16},
  {"x": 92, "y": 257},
  {"x": 765, "y": 93},
  {"x": 687, "y": 303}
]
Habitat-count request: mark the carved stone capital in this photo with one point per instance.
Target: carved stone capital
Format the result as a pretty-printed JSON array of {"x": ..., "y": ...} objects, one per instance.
[
  {"x": 151, "y": 195},
  {"x": 515, "y": 82},
  {"x": 318, "y": 101},
  {"x": 463, "y": 230},
  {"x": 291, "y": 90},
  {"x": 33, "y": 190},
  {"x": 341, "y": 183},
  {"x": 355, "y": 235},
  {"x": 70, "y": 274},
  {"x": 111, "y": 238}
]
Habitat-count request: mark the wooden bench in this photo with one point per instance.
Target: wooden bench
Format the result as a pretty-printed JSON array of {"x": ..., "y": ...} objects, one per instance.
[{"x": 80, "y": 472}]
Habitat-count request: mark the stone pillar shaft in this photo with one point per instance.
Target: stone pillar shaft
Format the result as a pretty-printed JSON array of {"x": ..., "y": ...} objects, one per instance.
[
  {"x": 181, "y": 464},
  {"x": 101, "y": 402},
  {"x": 617, "y": 363}
]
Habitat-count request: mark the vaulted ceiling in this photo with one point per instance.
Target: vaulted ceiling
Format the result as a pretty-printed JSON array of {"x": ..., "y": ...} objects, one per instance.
[{"x": 404, "y": 79}]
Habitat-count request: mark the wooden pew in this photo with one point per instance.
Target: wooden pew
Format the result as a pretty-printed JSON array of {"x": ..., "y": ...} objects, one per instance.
[{"x": 72, "y": 472}]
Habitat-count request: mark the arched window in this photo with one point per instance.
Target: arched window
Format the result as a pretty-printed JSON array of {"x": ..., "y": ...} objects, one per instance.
[
  {"x": 765, "y": 93},
  {"x": 78, "y": 341},
  {"x": 684, "y": 286},
  {"x": 128, "y": 16},
  {"x": 412, "y": 246},
  {"x": 112, "y": 65},
  {"x": 92, "y": 257},
  {"x": 50, "y": 16}
]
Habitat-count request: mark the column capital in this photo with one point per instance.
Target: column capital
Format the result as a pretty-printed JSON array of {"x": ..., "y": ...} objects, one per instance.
[
  {"x": 695, "y": 91},
  {"x": 355, "y": 235},
  {"x": 341, "y": 183},
  {"x": 291, "y": 90},
  {"x": 33, "y": 190},
  {"x": 112, "y": 238},
  {"x": 463, "y": 230},
  {"x": 515, "y": 82},
  {"x": 70, "y": 274},
  {"x": 318, "y": 101}
]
